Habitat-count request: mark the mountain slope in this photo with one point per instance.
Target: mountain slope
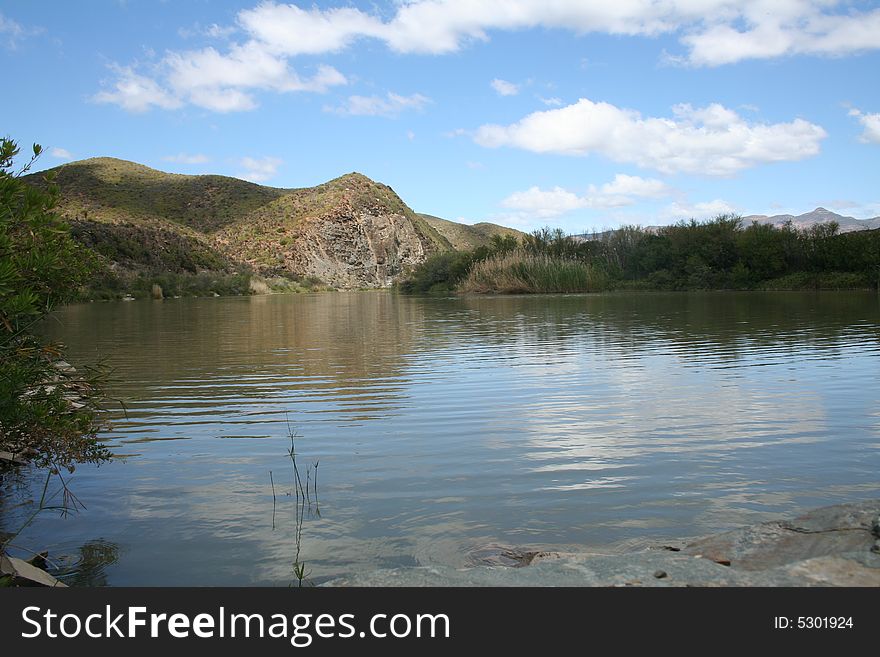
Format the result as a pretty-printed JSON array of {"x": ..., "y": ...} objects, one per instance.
[
  {"x": 817, "y": 216},
  {"x": 465, "y": 237},
  {"x": 109, "y": 190},
  {"x": 348, "y": 232}
]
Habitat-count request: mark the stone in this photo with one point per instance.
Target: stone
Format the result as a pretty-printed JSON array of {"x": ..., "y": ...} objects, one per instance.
[
  {"x": 11, "y": 458},
  {"x": 832, "y": 546},
  {"x": 822, "y": 532},
  {"x": 25, "y": 574}
]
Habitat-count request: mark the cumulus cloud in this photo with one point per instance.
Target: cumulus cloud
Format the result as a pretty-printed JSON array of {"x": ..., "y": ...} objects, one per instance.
[
  {"x": 768, "y": 30},
  {"x": 136, "y": 93},
  {"x": 504, "y": 88},
  {"x": 545, "y": 204},
  {"x": 391, "y": 105},
  {"x": 624, "y": 185},
  {"x": 704, "y": 210},
  {"x": 711, "y": 140},
  {"x": 623, "y": 190},
  {"x": 61, "y": 153},
  {"x": 259, "y": 169},
  {"x": 871, "y": 125},
  {"x": 713, "y": 32},
  {"x": 214, "y": 80},
  {"x": 187, "y": 158}
]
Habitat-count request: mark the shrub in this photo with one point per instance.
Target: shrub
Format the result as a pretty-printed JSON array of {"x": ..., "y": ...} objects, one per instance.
[{"x": 49, "y": 411}]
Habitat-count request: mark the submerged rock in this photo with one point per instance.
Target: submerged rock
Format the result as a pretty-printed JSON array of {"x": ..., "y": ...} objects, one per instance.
[
  {"x": 831, "y": 546},
  {"x": 23, "y": 573}
]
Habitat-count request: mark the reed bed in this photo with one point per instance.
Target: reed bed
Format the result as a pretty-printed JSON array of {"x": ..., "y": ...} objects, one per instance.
[{"x": 520, "y": 272}]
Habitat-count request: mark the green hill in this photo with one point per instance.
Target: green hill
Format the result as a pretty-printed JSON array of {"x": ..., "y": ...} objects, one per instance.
[
  {"x": 348, "y": 232},
  {"x": 464, "y": 237},
  {"x": 110, "y": 190}
]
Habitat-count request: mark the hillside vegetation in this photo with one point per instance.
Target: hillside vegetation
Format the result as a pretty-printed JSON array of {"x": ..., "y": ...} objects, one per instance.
[
  {"x": 109, "y": 190},
  {"x": 210, "y": 234},
  {"x": 464, "y": 237}
]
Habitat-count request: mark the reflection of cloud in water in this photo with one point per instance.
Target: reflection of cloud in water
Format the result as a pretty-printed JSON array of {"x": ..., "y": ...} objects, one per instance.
[{"x": 446, "y": 424}]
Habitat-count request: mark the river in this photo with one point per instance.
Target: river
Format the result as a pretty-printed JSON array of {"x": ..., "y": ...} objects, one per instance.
[{"x": 446, "y": 428}]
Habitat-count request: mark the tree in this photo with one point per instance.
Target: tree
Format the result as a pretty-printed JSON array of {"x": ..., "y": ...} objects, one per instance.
[{"x": 49, "y": 411}]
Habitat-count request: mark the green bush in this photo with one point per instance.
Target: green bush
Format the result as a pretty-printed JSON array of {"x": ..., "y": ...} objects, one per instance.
[
  {"x": 689, "y": 255},
  {"x": 49, "y": 411}
]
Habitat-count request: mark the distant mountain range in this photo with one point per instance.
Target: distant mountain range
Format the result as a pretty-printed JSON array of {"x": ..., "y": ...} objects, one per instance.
[
  {"x": 817, "y": 216},
  {"x": 800, "y": 221},
  {"x": 349, "y": 232}
]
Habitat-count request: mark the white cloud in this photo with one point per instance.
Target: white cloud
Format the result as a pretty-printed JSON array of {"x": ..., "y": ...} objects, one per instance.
[
  {"x": 259, "y": 169},
  {"x": 289, "y": 30},
  {"x": 217, "y": 81},
  {"x": 136, "y": 93},
  {"x": 545, "y": 204},
  {"x": 871, "y": 125},
  {"x": 704, "y": 210},
  {"x": 784, "y": 28},
  {"x": 713, "y": 31},
  {"x": 623, "y": 190},
  {"x": 551, "y": 102},
  {"x": 187, "y": 158},
  {"x": 712, "y": 140},
  {"x": 624, "y": 185},
  {"x": 12, "y": 32},
  {"x": 212, "y": 31},
  {"x": 504, "y": 88},
  {"x": 61, "y": 153},
  {"x": 390, "y": 105}
]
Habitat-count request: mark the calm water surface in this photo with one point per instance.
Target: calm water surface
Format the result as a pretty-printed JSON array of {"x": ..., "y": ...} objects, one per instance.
[{"x": 445, "y": 427}]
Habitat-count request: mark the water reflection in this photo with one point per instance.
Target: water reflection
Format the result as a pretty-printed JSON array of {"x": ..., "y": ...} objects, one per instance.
[
  {"x": 88, "y": 566},
  {"x": 446, "y": 425}
]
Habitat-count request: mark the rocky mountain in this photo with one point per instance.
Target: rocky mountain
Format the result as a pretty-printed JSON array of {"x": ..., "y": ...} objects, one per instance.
[
  {"x": 817, "y": 216},
  {"x": 349, "y": 232}
]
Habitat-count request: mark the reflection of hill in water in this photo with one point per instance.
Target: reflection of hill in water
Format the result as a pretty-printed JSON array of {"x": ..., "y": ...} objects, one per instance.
[
  {"x": 356, "y": 355},
  {"x": 249, "y": 357},
  {"x": 444, "y": 424}
]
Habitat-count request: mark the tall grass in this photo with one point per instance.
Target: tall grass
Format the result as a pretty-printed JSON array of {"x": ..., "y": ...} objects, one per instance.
[{"x": 521, "y": 272}]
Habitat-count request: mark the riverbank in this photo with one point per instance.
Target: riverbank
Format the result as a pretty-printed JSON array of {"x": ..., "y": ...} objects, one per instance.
[
  {"x": 830, "y": 546},
  {"x": 722, "y": 254},
  {"x": 166, "y": 285}
]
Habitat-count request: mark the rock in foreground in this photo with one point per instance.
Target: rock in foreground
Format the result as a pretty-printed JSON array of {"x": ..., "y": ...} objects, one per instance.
[{"x": 831, "y": 546}]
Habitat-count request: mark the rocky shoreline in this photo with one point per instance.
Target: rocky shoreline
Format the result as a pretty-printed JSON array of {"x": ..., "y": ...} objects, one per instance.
[{"x": 830, "y": 546}]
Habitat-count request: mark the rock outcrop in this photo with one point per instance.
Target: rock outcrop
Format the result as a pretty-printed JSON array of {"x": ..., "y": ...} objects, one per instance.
[
  {"x": 350, "y": 232},
  {"x": 832, "y": 546},
  {"x": 355, "y": 234}
]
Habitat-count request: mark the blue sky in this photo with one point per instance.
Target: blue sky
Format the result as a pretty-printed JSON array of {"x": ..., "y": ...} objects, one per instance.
[{"x": 570, "y": 113}]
